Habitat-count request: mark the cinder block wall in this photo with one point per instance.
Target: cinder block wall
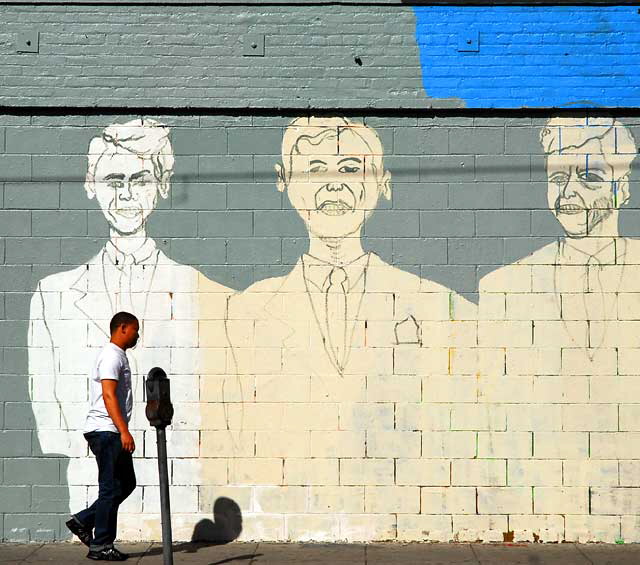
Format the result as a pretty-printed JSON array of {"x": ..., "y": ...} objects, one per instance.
[{"x": 504, "y": 428}]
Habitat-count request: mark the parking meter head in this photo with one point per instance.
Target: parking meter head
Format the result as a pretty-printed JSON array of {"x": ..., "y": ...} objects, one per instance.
[{"x": 159, "y": 409}]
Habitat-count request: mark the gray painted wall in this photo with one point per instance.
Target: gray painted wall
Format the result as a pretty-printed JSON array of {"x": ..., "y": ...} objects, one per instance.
[{"x": 193, "y": 56}]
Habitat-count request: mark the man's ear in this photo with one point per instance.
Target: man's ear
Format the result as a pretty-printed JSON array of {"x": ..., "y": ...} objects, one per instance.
[
  {"x": 623, "y": 194},
  {"x": 165, "y": 184},
  {"x": 90, "y": 186},
  {"x": 385, "y": 185},
  {"x": 281, "y": 181}
]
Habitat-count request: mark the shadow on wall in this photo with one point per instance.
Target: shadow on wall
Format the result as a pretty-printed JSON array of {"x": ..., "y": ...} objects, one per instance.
[{"x": 226, "y": 526}]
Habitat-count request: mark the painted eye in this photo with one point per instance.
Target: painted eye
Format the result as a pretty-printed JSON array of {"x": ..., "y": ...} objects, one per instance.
[
  {"x": 591, "y": 177},
  {"x": 115, "y": 184},
  {"x": 559, "y": 179},
  {"x": 348, "y": 169},
  {"x": 318, "y": 169}
]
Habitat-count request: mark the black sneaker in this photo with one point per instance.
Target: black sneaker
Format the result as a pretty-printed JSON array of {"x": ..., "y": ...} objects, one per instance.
[
  {"x": 107, "y": 554},
  {"x": 84, "y": 534}
]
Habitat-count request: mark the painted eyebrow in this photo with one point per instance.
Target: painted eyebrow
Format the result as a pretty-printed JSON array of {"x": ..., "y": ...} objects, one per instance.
[
  {"x": 317, "y": 162},
  {"x": 118, "y": 176},
  {"x": 356, "y": 159},
  {"x": 139, "y": 174},
  {"x": 590, "y": 168}
]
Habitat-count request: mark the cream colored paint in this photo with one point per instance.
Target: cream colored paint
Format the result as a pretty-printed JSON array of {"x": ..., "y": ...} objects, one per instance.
[
  {"x": 564, "y": 318},
  {"x": 351, "y": 400},
  {"x": 313, "y": 398}
]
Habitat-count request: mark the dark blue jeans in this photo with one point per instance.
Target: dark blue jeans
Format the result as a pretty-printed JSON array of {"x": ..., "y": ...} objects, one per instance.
[{"x": 116, "y": 481}]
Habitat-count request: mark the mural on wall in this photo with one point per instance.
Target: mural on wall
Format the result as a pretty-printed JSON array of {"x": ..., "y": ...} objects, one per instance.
[
  {"x": 585, "y": 281},
  {"x": 333, "y": 174},
  {"x": 129, "y": 167},
  {"x": 325, "y": 352},
  {"x": 562, "y": 323},
  {"x": 350, "y": 399}
]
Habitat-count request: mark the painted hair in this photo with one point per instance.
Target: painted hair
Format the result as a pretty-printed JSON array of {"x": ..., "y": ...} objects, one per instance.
[
  {"x": 315, "y": 130},
  {"x": 145, "y": 138},
  {"x": 569, "y": 135}
]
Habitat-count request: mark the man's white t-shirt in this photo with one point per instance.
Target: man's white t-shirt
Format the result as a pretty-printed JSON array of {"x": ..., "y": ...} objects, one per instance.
[{"x": 111, "y": 363}]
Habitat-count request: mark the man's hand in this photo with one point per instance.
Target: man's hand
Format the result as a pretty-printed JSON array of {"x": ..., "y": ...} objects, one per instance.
[{"x": 127, "y": 442}]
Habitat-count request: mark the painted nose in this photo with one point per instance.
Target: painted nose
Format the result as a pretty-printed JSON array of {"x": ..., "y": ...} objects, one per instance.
[
  {"x": 335, "y": 186},
  {"x": 124, "y": 193},
  {"x": 569, "y": 189}
]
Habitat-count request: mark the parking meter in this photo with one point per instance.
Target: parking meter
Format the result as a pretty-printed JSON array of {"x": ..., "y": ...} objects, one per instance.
[
  {"x": 159, "y": 412},
  {"x": 159, "y": 409}
]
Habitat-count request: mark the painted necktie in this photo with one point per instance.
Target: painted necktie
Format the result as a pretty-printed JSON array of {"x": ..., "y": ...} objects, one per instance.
[
  {"x": 596, "y": 308},
  {"x": 335, "y": 299}
]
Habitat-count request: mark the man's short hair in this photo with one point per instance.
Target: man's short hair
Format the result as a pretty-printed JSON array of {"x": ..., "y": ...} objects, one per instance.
[
  {"x": 570, "y": 135},
  {"x": 121, "y": 319},
  {"x": 314, "y": 130},
  {"x": 145, "y": 138}
]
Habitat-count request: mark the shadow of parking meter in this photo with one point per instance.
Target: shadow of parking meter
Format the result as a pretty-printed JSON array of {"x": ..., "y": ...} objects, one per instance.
[{"x": 159, "y": 412}]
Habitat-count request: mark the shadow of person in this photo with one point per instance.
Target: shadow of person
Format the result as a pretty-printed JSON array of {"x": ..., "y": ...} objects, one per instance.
[{"x": 225, "y": 527}]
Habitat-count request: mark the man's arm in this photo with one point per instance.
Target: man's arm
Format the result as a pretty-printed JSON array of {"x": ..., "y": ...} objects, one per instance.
[{"x": 113, "y": 409}]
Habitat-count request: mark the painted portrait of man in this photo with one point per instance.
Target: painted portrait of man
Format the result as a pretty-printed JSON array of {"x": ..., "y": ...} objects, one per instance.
[
  {"x": 129, "y": 170},
  {"x": 324, "y": 353},
  {"x": 567, "y": 302}
]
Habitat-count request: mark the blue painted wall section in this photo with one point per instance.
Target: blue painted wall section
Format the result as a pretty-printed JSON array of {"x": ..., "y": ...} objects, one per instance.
[{"x": 545, "y": 56}]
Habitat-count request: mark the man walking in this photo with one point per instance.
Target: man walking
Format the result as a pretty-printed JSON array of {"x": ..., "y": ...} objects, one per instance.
[{"x": 107, "y": 432}]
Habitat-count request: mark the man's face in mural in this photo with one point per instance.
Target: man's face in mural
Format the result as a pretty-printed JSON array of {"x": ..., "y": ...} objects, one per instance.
[
  {"x": 582, "y": 191},
  {"x": 126, "y": 189},
  {"x": 334, "y": 182}
]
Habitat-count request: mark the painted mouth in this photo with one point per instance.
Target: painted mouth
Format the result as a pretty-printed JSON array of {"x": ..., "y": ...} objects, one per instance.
[
  {"x": 335, "y": 207},
  {"x": 570, "y": 209},
  {"x": 129, "y": 213},
  {"x": 335, "y": 199}
]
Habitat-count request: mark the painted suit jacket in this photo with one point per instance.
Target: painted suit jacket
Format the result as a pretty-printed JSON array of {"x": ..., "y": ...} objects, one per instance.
[
  {"x": 69, "y": 320},
  {"x": 401, "y": 333},
  {"x": 569, "y": 314}
]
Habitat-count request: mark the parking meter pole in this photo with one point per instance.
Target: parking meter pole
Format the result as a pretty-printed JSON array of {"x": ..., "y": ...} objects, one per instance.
[
  {"x": 165, "y": 504},
  {"x": 159, "y": 412}
]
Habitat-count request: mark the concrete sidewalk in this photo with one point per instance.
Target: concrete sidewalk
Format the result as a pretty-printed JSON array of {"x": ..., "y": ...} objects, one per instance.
[{"x": 317, "y": 554}]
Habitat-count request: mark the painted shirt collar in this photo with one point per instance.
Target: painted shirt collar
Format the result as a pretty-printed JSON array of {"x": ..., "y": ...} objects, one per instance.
[
  {"x": 610, "y": 254},
  {"x": 140, "y": 256},
  {"x": 317, "y": 271}
]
